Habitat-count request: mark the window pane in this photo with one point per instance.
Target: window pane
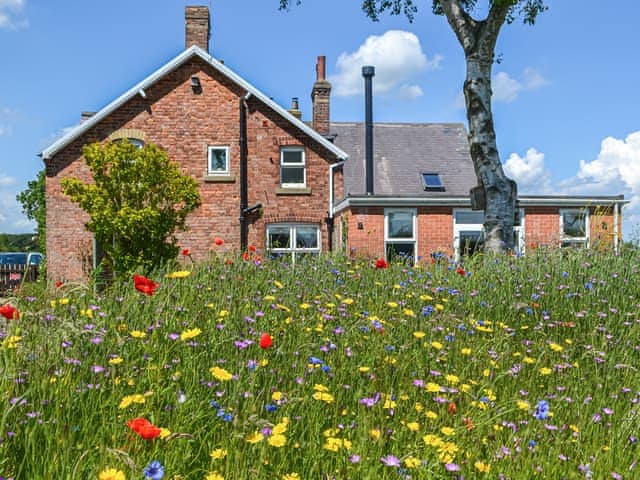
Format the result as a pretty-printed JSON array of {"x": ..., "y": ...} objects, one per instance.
[
  {"x": 470, "y": 216},
  {"x": 400, "y": 225},
  {"x": 573, "y": 244},
  {"x": 278, "y": 237},
  {"x": 400, "y": 251},
  {"x": 574, "y": 224},
  {"x": 292, "y": 156},
  {"x": 218, "y": 160},
  {"x": 471, "y": 241},
  {"x": 307, "y": 237},
  {"x": 293, "y": 175}
]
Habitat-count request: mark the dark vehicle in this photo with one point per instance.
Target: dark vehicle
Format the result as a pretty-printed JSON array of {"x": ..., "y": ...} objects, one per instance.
[
  {"x": 18, "y": 267},
  {"x": 20, "y": 258}
]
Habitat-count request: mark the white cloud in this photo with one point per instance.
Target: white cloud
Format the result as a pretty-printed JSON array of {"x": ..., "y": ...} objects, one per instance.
[
  {"x": 8, "y": 11},
  {"x": 529, "y": 172},
  {"x": 398, "y": 59},
  {"x": 507, "y": 89},
  {"x": 7, "y": 181},
  {"x": 12, "y": 219}
]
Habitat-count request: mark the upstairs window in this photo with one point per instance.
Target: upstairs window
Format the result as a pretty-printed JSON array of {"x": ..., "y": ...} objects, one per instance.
[
  {"x": 218, "y": 160},
  {"x": 432, "y": 182},
  {"x": 574, "y": 228},
  {"x": 292, "y": 167}
]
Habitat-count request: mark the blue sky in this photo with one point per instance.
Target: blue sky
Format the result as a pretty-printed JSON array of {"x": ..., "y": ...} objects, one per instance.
[{"x": 566, "y": 94}]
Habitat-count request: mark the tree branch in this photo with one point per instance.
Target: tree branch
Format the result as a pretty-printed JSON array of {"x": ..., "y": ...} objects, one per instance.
[
  {"x": 488, "y": 35},
  {"x": 461, "y": 23}
]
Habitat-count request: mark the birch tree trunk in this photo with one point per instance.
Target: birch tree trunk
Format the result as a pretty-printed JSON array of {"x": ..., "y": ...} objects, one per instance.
[{"x": 478, "y": 40}]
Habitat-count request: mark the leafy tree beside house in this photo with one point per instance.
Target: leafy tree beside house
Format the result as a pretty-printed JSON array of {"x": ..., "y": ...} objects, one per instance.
[
  {"x": 33, "y": 200},
  {"x": 497, "y": 194},
  {"x": 138, "y": 200}
]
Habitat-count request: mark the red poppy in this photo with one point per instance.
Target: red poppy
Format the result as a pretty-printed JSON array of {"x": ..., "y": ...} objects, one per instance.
[
  {"x": 452, "y": 408},
  {"x": 461, "y": 271},
  {"x": 252, "y": 248},
  {"x": 186, "y": 252},
  {"x": 381, "y": 263},
  {"x": 9, "y": 312},
  {"x": 144, "y": 428},
  {"x": 59, "y": 284},
  {"x": 219, "y": 242},
  {"x": 266, "y": 341},
  {"x": 229, "y": 261},
  {"x": 246, "y": 257},
  {"x": 468, "y": 423},
  {"x": 144, "y": 284}
]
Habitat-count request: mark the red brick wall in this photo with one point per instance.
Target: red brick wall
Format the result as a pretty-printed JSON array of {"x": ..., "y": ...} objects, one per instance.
[
  {"x": 542, "y": 226},
  {"x": 184, "y": 124}
]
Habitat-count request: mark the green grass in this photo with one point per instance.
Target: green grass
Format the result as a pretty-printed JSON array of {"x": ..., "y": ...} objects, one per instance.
[{"x": 437, "y": 370}]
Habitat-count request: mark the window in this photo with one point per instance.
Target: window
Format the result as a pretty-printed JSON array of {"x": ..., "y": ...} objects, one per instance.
[
  {"x": 468, "y": 233},
  {"x": 400, "y": 234},
  {"x": 293, "y": 240},
  {"x": 218, "y": 161},
  {"x": 292, "y": 168},
  {"x": 432, "y": 182},
  {"x": 574, "y": 228},
  {"x": 136, "y": 142}
]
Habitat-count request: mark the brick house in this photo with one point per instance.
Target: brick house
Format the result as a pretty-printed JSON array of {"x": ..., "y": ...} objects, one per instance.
[{"x": 269, "y": 179}]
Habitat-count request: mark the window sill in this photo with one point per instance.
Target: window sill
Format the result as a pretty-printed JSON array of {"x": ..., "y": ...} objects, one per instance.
[
  {"x": 293, "y": 191},
  {"x": 219, "y": 178}
]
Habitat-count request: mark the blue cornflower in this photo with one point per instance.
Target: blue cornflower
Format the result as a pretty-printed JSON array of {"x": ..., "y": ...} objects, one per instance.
[
  {"x": 270, "y": 407},
  {"x": 426, "y": 311},
  {"x": 315, "y": 361},
  {"x": 154, "y": 470},
  {"x": 542, "y": 410}
]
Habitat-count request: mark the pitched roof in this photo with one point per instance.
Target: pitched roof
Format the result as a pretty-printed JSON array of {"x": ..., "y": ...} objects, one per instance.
[
  {"x": 139, "y": 88},
  {"x": 402, "y": 152}
]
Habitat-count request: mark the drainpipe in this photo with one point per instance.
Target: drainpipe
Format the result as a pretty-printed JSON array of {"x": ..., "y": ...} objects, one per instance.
[
  {"x": 616, "y": 226},
  {"x": 368, "y": 72},
  {"x": 244, "y": 232},
  {"x": 329, "y": 218}
]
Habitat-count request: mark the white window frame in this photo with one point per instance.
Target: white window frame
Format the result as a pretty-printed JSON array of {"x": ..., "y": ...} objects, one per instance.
[
  {"x": 575, "y": 240},
  {"x": 292, "y": 249},
  {"x": 210, "y": 150},
  {"x": 413, "y": 239},
  {"x": 458, "y": 228},
  {"x": 284, "y": 165}
]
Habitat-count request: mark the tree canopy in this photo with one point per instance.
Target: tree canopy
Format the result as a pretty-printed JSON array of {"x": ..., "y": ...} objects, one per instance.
[
  {"x": 138, "y": 199},
  {"x": 33, "y": 200}
]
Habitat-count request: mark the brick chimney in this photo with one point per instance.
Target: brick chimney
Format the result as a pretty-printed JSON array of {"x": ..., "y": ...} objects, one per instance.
[
  {"x": 197, "y": 27},
  {"x": 320, "y": 98},
  {"x": 295, "y": 108}
]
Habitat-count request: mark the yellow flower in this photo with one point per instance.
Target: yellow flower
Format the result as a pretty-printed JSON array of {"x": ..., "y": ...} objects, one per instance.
[
  {"x": 214, "y": 476},
  {"x": 392, "y": 304},
  {"x": 529, "y": 360},
  {"x": 291, "y": 476},
  {"x": 111, "y": 474},
  {"x": 277, "y": 283},
  {"x": 419, "y": 335},
  {"x": 304, "y": 306},
  {"x": 412, "y": 462},
  {"x": 12, "y": 341},
  {"x": 218, "y": 453},
  {"x": 375, "y": 434},
  {"x": 431, "y": 415},
  {"x": 364, "y": 369},
  {"x": 439, "y": 307},
  {"x": 277, "y": 440},
  {"x": 432, "y": 387},
  {"x": 447, "y": 452},
  {"x": 178, "y": 274},
  {"x": 436, "y": 345},
  {"x": 465, "y": 351},
  {"x": 408, "y": 312},
  {"x": 413, "y": 426},
  {"x": 189, "y": 334},
  {"x": 323, "y": 396},
  {"x": 332, "y": 444},
  {"x": 115, "y": 361},
  {"x": 164, "y": 433},
  {"x": 419, "y": 407},
  {"x": 432, "y": 440},
  {"x": 522, "y": 405},
  {"x": 254, "y": 437},
  {"x": 447, "y": 431},
  {"x": 220, "y": 374},
  {"x": 452, "y": 379},
  {"x": 138, "y": 334},
  {"x": 279, "y": 428},
  {"x": 129, "y": 399},
  {"x": 276, "y": 396},
  {"x": 545, "y": 371},
  {"x": 482, "y": 467},
  {"x": 555, "y": 347},
  {"x": 320, "y": 388},
  {"x": 348, "y": 301}
]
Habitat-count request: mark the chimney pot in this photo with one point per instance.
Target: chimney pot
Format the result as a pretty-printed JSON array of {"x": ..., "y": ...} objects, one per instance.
[
  {"x": 295, "y": 108},
  {"x": 321, "y": 72},
  {"x": 197, "y": 27}
]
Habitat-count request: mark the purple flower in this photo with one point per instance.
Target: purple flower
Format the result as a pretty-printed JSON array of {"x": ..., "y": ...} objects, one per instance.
[
  {"x": 390, "y": 461},
  {"x": 154, "y": 471},
  {"x": 452, "y": 467}
]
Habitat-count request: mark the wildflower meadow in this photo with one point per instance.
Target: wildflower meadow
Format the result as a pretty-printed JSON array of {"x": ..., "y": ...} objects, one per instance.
[{"x": 333, "y": 368}]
